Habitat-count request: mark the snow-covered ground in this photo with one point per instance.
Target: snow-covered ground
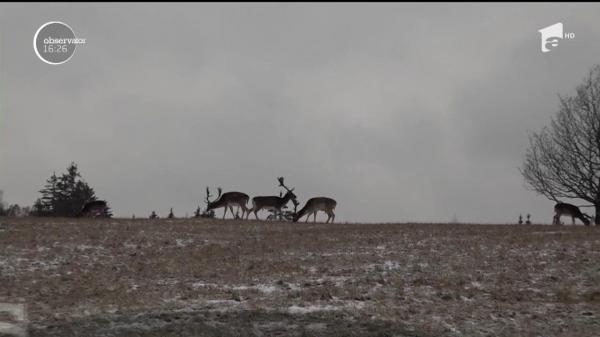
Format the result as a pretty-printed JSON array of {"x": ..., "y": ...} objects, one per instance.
[{"x": 217, "y": 278}]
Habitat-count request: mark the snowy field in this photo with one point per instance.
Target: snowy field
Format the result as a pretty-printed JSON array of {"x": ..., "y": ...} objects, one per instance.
[{"x": 189, "y": 277}]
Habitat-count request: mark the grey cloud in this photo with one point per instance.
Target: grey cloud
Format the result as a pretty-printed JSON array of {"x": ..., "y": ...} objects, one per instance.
[{"x": 400, "y": 111}]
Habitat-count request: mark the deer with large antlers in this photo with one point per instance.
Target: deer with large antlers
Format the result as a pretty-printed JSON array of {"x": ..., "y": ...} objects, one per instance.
[
  {"x": 562, "y": 208},
  {"x": 314, "y": 205},
  {"x": 229, "y": 199},
  {"x": 273, "y": 203}
]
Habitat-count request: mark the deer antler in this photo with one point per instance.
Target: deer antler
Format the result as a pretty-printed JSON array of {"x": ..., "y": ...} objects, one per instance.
[
  {"x": 220, "y": 191},
  {"x": 207, "y": 199},
  {"x": 280, "y": 179}
]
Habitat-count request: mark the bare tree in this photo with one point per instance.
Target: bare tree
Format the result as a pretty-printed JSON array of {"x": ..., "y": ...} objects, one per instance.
[{"x": 563, "y": 160}]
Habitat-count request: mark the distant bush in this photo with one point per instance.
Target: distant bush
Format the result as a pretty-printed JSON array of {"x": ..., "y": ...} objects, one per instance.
[{"x": 14, "y": 210}]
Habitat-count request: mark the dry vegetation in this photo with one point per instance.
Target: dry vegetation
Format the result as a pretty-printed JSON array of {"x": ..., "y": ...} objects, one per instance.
[{"x": 231, "y": 278}]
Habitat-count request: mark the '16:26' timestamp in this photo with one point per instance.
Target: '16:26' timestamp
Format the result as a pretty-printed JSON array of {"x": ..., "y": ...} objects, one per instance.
[{"x": 55, "y": 48}]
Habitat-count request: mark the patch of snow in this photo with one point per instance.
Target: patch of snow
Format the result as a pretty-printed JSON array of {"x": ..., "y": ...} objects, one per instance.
[
  {"x": 294, "y": 287},
  {"x": 167, "y": 282},
  {"x": 386, "y": 265},
  {"x": 298, "y": 310},
  {"x": 476, "y": 285},
  {"x": 86, "y": 247},
  {"x": 550, "y": 232},
  {"x": 203, "y": 285},
  {"x": 392, "y": 265},
  {"x": 294, "y": 309},
  {"x": 263, "y": 288},
  {"x": 232, "y": 302},
  {"x": 266, "y": 289},
  {"x": 183, "y": 243}
]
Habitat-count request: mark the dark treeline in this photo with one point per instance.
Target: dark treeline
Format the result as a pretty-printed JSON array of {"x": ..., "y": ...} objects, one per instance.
[{"x": 64, "y": 195}]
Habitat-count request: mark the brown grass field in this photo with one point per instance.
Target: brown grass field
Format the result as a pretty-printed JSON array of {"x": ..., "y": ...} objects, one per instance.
[{"x": 187, "y": 277}]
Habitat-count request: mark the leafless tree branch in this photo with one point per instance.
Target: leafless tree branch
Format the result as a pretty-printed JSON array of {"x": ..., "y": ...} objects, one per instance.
[{"x": 563, "y": 160}]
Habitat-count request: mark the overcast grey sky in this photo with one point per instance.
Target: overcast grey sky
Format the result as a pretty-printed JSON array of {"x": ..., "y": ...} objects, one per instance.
[{"x": 401, "y": 112}]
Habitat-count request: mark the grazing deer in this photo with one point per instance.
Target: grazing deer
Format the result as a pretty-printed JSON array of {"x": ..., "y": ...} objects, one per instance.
[
  {"x": 228, "y": 200},
  {"x": 273, "y": 203},
  {"x": 95, "y": 209},
  {"x": 562, "y": 208},
  {"x": 314, "y": 205}
]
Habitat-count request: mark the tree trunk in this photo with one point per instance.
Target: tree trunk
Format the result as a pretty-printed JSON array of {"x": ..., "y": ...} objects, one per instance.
[{"x": 597, "y": 217}]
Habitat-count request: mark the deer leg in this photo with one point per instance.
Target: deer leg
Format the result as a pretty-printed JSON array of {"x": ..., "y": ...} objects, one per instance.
[
  {"x": 246, "y": 211},
  {"x": 573, "y": 219},
  {"x": 558, "y": 219},
  {"x": 255, "y": 211},
  {"x": 232, "y": 214},
  {"x": 225, "y": 211},
  {"x": 315, "y": 216},
  {"x": 307, "y": 216},
  {"x": 331, "y": 216}
]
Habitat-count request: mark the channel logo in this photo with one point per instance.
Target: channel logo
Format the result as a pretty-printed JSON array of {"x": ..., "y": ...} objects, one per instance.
[{"x": 551, "y": 35}]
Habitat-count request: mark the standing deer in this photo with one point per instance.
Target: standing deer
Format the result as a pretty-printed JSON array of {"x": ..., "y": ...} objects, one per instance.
[
  {"x": 274, "y": 203},
  {"x": 314, "y": 205},
  {"x": 228, "y": 200},
  {"x": 562, "y": 208}
]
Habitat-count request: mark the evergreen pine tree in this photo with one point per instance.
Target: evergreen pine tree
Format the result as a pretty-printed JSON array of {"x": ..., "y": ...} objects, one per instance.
[{"x": 65, "y": 195}]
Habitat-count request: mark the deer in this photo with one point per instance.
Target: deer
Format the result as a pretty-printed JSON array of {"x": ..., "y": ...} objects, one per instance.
[
  {"x": 562, "y": 208},
  {"x": 314, "y": 205},
  {"x": 229, "y": 199},
  {"x": 274, "y": 203},
  {"x": 94, "y": 209}
]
